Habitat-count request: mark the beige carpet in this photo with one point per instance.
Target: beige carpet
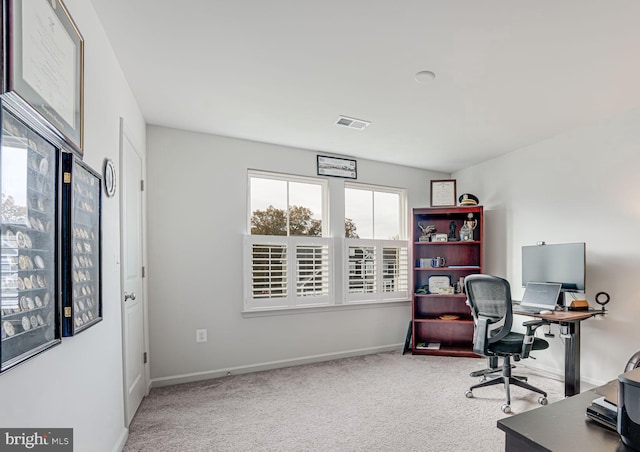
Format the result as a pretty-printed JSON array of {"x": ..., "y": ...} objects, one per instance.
[{"x": 382, "y": 402}]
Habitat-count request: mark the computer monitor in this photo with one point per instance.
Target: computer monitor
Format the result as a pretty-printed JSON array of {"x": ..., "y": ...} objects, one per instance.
[{"x": 563, "y": 263}]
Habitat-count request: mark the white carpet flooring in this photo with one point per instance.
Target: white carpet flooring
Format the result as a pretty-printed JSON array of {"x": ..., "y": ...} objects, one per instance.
[{"x": 382, "y": 402}]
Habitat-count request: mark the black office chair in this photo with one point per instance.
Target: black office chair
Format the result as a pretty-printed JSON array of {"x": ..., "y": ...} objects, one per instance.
[
  {"x": 490, "y": 301},
  {"x": 633, "y": 363}
]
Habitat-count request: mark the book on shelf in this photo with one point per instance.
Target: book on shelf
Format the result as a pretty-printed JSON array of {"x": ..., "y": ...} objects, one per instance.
[{"x": 428, "y": 346}]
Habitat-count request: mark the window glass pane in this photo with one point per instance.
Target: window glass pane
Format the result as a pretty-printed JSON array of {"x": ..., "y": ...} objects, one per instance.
[
  {"x": 268, "y": 206},
  {"x": 358, "y": 209},
  {"x": 305, "y": 209},
  {"x": 387, "y": 215}
]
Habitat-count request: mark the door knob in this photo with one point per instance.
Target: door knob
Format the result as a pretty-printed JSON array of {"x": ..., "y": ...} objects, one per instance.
[{"x": 129, "y": 296}]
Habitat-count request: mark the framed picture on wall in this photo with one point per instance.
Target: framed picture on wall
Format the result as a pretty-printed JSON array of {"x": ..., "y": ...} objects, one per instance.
[
  {"x": 443, "y": 193},
  {"x": 44, "y": 55},
  {"x": 337, "y": 167}
]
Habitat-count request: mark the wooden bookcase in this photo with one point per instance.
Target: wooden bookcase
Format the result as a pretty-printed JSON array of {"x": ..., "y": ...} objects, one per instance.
[{"x": 455, "y": 337}]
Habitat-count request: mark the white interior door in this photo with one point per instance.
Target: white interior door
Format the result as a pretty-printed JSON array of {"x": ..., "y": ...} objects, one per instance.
[{"x": 131, "y": 274}]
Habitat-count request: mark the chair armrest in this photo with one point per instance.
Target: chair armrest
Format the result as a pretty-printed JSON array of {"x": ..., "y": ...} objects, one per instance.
[
  {"x": 480, "y": 335},
  {"x": 527, "y": 343}
]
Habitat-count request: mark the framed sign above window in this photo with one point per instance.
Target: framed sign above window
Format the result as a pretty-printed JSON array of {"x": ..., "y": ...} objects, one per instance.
[
  {"x": 44, "y": 55},
  {"x": 337, "y": 167}
]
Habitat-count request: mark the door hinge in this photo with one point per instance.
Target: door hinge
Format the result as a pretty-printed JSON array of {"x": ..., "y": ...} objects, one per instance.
[
  {"x": 141, "y": 185},
  {"x": 144, "y": 358},
  {"x": 143, "y": 271}
]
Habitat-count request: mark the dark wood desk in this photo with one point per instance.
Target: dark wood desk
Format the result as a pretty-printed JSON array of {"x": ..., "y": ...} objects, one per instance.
[
  {"x": 569, "y": 321},
  {"x": 561, "y": 427}
]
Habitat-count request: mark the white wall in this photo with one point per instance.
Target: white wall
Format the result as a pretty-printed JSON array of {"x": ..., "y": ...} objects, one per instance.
[
  {"x": 197, "y": 195},
  {"x": 78, "y": 384},
  {"x": 581, "y": 186}
]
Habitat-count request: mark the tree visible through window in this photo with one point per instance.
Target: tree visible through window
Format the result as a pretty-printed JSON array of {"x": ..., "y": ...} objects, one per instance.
[{"x": 272, "y": 221}]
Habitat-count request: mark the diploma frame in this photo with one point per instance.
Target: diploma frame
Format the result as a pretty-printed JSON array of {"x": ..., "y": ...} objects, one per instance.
[
  {"x": 43, "y": 66},
  {"x": 443, "y": 193}
]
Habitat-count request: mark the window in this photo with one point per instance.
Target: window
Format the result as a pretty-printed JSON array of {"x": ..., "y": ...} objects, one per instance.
[
  {"x": 376, "y": 255},
  {"x": 288, "y": 260},
  {"x": 289, "y": 256}
]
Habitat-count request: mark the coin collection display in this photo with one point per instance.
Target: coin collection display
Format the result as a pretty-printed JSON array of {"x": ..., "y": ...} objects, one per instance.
[
  {"x": 28, "y": 246},
  {"x": 83, "y": 308}
]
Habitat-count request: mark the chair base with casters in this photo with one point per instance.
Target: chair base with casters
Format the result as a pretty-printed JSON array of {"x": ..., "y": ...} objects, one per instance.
[{"x": 507, "y": 379}]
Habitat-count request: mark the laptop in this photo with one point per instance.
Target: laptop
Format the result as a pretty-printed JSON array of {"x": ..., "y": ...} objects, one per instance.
[{"x": 539, "y": 297}]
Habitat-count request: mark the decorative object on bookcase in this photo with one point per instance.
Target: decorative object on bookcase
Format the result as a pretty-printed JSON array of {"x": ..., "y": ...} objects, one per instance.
[
  {"x": 426, "y": 232},
  {"x": 467, "y": 199},
  {"x": 438, "y": 291},
  {"x": 466, "y": 231}
]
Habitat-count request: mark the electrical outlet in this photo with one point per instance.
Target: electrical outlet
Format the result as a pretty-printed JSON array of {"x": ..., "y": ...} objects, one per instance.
[{"x": 201, "y": 335}]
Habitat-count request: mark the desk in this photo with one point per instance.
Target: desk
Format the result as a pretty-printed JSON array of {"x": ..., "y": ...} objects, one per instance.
[
  {"x": 561, "y": 427},
  {"x": 569, "y": 320}
]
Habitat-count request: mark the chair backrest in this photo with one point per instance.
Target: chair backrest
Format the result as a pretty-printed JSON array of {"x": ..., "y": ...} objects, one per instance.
[{"x": 490, "y": 300}]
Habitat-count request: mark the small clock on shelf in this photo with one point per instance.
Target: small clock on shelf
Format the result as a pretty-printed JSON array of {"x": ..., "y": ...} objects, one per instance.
[{"x": 109, "y": 178}]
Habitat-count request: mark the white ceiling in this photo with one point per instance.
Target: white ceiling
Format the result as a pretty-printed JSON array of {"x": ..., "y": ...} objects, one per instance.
[{"x": 509, "y": 73}]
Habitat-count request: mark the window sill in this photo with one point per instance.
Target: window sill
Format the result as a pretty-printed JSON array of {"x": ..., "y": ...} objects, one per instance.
[{"x": 329, "y": 308}]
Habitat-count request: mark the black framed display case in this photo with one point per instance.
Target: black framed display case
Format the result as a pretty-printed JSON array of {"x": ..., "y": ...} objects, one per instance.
[
  {"x": 81, "y": 231},
  {"x": 29, "y": 309}
]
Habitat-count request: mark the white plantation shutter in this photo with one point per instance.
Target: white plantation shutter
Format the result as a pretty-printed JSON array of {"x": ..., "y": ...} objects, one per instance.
[
  {"x": 378, "y": 270},
  {"x": 269, "y": 271},
  {"x": 312, "y": 270},
  {"x": 286, "y": 272},
  {"x": 361, "y": 262},
  {"x": 395, "y": 269}
]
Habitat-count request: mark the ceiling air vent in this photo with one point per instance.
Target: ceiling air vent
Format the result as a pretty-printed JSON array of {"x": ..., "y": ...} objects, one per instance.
[{"x": 358, "y": 124}]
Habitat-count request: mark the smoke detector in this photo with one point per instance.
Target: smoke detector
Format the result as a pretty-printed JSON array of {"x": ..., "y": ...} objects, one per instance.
[{"x": 358, "y": 124}]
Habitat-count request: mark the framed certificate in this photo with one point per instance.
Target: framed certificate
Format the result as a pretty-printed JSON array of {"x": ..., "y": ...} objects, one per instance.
[
  {"x": 44, "y": 55},
  {"x": 443, "y": 193}
]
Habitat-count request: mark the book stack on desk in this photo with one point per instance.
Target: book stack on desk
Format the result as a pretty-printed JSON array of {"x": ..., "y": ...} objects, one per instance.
[{"x": 603, "y": 412}]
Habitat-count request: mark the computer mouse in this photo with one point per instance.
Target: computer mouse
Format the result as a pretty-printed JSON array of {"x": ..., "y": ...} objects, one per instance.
[{"x": 546, "y": 311}]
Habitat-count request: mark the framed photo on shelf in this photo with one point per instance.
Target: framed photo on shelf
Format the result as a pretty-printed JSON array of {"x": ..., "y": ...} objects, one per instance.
[
  {"x": 443, "y": 193},
  {"x": 44, "y": 55},
  {"x": 337, "y": 167}
]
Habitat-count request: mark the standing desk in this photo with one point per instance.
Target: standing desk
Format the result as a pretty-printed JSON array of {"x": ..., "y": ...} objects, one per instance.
[{"x": 569, "y": 321}]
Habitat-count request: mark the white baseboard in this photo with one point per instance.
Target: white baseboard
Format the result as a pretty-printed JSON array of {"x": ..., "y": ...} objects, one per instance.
[
  {"x": 206, "y": 375},
  {"x": 558, "y": 374},
  {"x": 121, "y": 441}
]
